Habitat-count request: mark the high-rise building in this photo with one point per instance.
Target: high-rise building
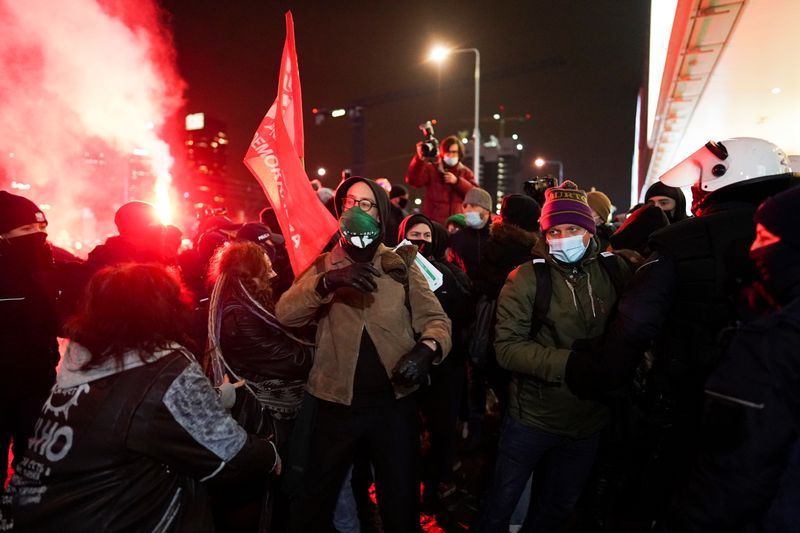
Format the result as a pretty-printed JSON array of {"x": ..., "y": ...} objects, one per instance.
[
  {"x": 205, "y": 186},
  {"x": 500, "y": 170}
]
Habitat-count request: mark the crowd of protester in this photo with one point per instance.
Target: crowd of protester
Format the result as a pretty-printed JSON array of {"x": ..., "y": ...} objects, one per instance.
[{"x": 645, "y": 370}]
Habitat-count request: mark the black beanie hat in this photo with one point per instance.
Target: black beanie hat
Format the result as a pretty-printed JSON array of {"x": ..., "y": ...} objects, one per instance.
[
  {"x": 521, "y": 211},
  {"x": 16, "y": 211},
  {"x": 135, "y": 216},
  {"x": 637, "y": 228},
  {"x": 780, "y": 214}
]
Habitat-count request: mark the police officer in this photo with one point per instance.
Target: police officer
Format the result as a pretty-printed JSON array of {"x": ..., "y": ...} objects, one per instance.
[{"x": 680, "y": 300}]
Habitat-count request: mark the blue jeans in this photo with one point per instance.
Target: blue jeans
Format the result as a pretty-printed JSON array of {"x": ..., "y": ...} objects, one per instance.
[
  {"x": 345, "y": 516},
  {"x": 562, "y": 467}
]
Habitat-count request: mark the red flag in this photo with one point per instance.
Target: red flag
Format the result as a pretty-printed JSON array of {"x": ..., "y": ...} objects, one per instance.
[
  {"x": 274, "y": 159},
  {"x": 290, "y": 96}
]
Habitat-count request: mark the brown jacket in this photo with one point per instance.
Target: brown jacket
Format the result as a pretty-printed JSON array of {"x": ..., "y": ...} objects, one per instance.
[{"x": 344, "y": 314}]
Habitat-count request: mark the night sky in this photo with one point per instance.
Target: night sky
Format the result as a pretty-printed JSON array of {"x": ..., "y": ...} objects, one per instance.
[{"x": 576, "y": 66}]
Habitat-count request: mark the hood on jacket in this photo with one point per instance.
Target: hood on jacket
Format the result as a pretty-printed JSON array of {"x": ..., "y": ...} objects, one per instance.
[
  {"x": 381, "y": 198},
  {"x": 439, "y": 236},
  {"x": 660, "y": 189},
  {"x": 409, "y": 222},
  {"x": 439, "y": 243},
  {"x": 504, "y": 232},
  {"x": 70, "y": 371}
]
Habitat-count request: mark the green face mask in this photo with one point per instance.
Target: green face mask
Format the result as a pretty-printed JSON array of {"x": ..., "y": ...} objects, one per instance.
[{"x": 358, "y": 228}]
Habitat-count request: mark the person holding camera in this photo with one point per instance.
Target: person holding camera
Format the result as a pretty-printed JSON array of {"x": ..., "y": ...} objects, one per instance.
[{"x": 445, "y": 178}]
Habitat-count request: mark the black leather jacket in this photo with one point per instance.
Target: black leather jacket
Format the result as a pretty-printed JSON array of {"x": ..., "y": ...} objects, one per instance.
[
  {"x": 130, "y": 450},
  {"x": 257, "y": 350}
]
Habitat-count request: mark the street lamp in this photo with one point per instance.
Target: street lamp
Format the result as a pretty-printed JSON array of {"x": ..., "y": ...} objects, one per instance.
[
  {"x": 439, "y": 54},
  {"x": 540, "y": 162}
]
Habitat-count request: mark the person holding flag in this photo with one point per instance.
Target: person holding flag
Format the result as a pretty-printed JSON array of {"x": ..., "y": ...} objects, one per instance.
[{"x": 371, "y": 305}]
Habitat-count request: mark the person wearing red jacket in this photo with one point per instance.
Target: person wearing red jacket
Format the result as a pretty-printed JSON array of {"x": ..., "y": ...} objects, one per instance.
[{"x": 446, "y": 179}]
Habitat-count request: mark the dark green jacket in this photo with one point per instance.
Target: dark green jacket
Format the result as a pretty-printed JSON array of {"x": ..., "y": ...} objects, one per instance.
[{"x": 581, "y": 299}]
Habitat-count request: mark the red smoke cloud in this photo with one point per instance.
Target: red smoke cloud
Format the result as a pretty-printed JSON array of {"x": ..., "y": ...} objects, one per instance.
[{"x": 87, "y": 93}]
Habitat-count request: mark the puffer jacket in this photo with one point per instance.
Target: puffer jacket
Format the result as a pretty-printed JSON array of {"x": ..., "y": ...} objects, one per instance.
[
  {"x": 508, "y": 247},
  {"x": 345, "y": 313},
  {"x": 581, "y": 300},
  {"x": 128, "y": 448},
  {"x": 441, "y": 199}
]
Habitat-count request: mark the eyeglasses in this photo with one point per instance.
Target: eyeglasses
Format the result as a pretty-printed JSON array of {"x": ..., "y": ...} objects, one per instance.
[{"x": 364, "y": 204}]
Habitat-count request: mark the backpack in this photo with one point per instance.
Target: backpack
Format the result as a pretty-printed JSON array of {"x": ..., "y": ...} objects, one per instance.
[
  {"x": 544, "y": 288},
  {"x": 486, "y": 308}
]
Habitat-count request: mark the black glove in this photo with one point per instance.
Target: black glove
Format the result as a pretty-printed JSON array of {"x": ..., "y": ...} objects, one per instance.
[
  {"x": 413, "y": 368},
  {"x": 594, "y": 344},
  {"x": 357, "y": 276},
  {"x": 592, "y": 374}
]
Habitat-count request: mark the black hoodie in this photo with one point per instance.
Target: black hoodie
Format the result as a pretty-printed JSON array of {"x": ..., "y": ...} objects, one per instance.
[
  {"x": 381, "y": 198},
  {"x": 454, "y": 294},
  {"x": 659, "y": 189}
]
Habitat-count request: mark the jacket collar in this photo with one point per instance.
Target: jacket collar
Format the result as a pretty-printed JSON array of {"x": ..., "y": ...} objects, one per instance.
[
  {"x": 70, "y": 373},
  {"x": 509, "y": 233}
]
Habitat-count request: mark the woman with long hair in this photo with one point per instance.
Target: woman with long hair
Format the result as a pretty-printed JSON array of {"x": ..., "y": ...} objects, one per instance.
[
  {"x": 248, "y": 345},
  {"x": 132, "y": 429}
]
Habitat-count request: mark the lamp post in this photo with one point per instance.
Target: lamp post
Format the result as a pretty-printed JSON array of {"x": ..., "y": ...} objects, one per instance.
[
  {"x": 439, "y": 54},
  {"x": 540, "y": 162}
]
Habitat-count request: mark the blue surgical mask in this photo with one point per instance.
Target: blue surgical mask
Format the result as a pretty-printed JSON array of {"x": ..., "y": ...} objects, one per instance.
[
  {"x": 450, "y": 161},
  {"x": 568, "y": 249},
  {"x": 473, "y": 219}
]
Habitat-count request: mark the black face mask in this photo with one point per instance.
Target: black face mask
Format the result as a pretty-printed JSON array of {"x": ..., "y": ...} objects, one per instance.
[
  {"x": 419, "y": 243},
  {"x": 777, "y": 264},
  {"x": 30, "y": 251},
  {"x": 402, "y": 203}
]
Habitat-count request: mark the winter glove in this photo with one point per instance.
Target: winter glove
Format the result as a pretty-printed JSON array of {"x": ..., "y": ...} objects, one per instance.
[
  {"x": 591, "y": 374},
  {"x": 593, "y": 344},
  {"x": 358, "y": 276},
  {"x": 413, "y": 368}
]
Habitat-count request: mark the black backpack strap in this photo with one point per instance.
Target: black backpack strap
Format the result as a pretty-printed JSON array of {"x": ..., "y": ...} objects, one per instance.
[
  {"x": 541, "y": 302},
  {"x": 609, "y": 262}
]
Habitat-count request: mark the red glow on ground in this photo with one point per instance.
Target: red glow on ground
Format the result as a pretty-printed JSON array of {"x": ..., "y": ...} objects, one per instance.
[{"x": 427, "y": 522}]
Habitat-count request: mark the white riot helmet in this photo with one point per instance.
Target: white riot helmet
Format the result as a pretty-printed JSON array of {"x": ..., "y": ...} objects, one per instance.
[{"x": 719, "y": 164}]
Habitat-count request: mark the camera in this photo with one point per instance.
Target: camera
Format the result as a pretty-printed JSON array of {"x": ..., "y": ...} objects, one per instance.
[
  {"x": 535, "y": 188},
  {"x": 430, "y": 146}
]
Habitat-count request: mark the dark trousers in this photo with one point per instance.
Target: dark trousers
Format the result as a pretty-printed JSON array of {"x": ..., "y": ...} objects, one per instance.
[
  {"x": 17, "y": 419},
  {"x": 391, "y": 435},
  {"x": 481, "y": 378},
  {"x": 561, "y": 465},
  {"x": 439, "y": 405}
]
